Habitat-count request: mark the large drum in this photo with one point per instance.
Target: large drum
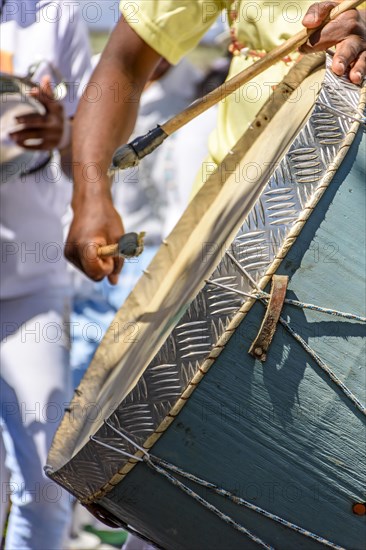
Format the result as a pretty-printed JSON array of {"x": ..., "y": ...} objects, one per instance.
[{"x": 221, "y": 412}]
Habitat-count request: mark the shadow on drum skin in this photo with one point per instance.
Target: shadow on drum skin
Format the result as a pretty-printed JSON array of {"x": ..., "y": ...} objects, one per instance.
[
  {"x": 278, "y": 373},
  {"x": 312, "y": 331},
  {"x": 338, "y": 329},
  {"x": 284, "y": 403}
]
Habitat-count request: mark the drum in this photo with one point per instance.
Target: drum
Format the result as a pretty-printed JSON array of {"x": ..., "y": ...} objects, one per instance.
[
  {"x": 221, "y": 411},
  {"x": 15, "y": 100}
]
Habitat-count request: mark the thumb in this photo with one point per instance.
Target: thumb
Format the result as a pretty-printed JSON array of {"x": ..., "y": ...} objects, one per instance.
[
  {"x": 45, "y": 94},
  {"x": 46, "y": 87}
]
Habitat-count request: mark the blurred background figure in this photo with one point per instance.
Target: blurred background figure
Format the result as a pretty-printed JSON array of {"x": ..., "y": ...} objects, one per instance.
[{"x": 43, "y": 41}]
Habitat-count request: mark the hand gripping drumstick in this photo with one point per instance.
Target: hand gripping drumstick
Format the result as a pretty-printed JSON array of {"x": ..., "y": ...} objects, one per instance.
[
  {"x": 129, "y": 155},
  {"x": 130, "y": 245}
]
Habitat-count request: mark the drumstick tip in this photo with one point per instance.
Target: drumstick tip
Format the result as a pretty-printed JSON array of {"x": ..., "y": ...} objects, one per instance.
[
  {"x": 124, "y": 157},
  {"x": 131, "y": 245},
  {"x": 128, "y": 156}
]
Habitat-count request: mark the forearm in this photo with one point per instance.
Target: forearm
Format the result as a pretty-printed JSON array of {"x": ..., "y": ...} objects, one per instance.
[
  {"x": 108, "y": 109},
  {"x": 100, "y": 128},
  {"x": 105, "y": 118}
]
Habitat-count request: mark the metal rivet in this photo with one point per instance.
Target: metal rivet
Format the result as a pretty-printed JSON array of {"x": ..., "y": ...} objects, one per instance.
[{"x": 359, "y": 508}]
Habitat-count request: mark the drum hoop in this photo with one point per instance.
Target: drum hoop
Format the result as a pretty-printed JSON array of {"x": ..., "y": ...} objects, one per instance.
[{"x": 239, "y": 316}]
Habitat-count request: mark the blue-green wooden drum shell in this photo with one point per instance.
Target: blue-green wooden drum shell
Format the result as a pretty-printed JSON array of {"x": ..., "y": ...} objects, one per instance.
[{"x": 280, "y": 434}]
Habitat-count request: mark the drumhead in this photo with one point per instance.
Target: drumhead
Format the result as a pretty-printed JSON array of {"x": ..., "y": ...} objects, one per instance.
[{"x": 15, "y": 100}]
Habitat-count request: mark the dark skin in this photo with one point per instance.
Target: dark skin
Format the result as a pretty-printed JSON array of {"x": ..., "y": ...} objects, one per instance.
[
  {"x": 48, "y": 127},
  {"x": 126, "y": 64},
  {"x": 348, "y": 31}
]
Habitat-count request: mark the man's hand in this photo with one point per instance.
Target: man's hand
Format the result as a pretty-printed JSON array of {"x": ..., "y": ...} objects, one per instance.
[
  {"x": 347, "y": 32},
  {"x": 96, "y": 223},
  {"x": 41, "y": 131}
]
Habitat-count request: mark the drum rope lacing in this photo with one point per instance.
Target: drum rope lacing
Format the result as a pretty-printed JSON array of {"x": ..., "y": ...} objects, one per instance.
[
  {"x": 163, "y": 468},
  {"x": 263, "y": 296}
]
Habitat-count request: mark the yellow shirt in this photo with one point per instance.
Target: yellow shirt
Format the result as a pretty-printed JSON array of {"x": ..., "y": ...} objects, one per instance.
[{"x": 174, "y": 27}]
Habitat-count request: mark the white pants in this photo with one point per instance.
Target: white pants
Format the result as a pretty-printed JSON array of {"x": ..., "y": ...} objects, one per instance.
[
  {"x": 35, "y": 388},
  {"x": 135, "y": 543},
  {"x": 4, "y": 479}
]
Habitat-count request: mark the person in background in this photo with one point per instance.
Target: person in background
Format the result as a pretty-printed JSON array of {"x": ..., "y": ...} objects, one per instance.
[
  {"x": 47, "y": 42},
  {"x": 162, "y": 30}
]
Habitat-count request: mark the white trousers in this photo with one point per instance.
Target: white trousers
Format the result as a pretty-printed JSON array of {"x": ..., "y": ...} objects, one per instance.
[{"x": 35, "y": 389}]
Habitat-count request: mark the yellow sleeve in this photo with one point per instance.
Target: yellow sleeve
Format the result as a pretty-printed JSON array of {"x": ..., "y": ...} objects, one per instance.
[{"x": 170, "y": 27}]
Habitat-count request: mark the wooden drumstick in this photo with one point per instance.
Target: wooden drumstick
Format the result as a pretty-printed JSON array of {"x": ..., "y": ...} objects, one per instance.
[
  {"x": 129, "y": 155},
  {"x": 129, "y": 245}
]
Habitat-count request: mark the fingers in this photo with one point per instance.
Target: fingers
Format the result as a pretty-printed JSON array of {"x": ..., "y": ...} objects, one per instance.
[
  {"x": 114, "y": 276},
  {"x": 41, "y": 132},
  {"x": 46, "y": 86},
  {"x": 99, "y": 268},
  {"x": 85, "y": 257},
  {"x": 91, "y": 229},
  {"x": 351, "y": 53},
  {"x": 96, "y": 223},
  {"x": 317, "y": 14},
  {"x": 345, "y": 26},
  {"x": 37, "y": 139},
  {"x": 358, "y": 71},
  {"x": 31, "y": 120},
  {"x": 44, "y": 94},
  {"x": 347, "y": 32},
  {"x": 44, "y": 89}
]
